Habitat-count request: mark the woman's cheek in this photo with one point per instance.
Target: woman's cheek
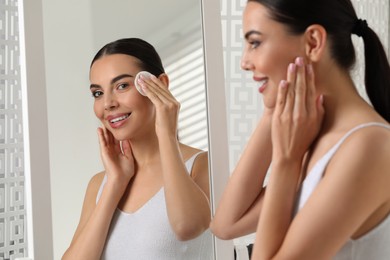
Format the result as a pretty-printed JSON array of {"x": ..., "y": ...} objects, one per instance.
[{"x": 97, "y": 110}]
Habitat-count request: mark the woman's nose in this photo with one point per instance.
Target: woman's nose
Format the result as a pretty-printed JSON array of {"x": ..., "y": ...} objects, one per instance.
[
  {"x": 245, "y": 63},
  {"x": 110, "y": 102}
]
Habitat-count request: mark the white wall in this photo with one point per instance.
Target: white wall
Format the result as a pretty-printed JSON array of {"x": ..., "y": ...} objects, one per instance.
[{"x": 74, "y": 154}]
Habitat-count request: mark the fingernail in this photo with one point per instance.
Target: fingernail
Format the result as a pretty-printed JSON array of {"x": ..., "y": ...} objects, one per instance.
[
  {"x": 140, "y": 81},
  {"x": 283, "y": 83},
  {"x": 321, "y": 99},
  {"x": 291, "y": 67},
  {"x": 299, "y": 61}
]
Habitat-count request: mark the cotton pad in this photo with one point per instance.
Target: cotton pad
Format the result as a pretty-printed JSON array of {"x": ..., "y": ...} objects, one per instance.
[{"x": 144, "y": 74}]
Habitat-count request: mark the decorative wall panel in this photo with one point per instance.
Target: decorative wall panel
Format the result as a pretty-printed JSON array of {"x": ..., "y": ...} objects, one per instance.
[
  {"x": 13, "y": 242},
  {"x": 243, "y": 101}
]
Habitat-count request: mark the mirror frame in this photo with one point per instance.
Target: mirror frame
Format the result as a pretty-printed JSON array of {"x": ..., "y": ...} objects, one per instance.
[
  {"x": 35, "y": 133},
  {"x": 216, "y": 113}
]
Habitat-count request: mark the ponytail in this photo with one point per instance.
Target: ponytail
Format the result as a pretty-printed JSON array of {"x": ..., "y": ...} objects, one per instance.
[{"x": 377, "y": 69}]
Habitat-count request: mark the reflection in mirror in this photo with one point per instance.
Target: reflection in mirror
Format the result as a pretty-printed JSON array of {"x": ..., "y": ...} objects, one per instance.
[{"x": 72, "y": 36}]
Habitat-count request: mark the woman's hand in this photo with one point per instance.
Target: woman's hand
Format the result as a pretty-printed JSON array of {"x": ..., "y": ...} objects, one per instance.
[
  {"x": 167, "y": 107},
  {"x": 296, "y": 123},
  {"x": 298, "y": 113},
  {"x": 118, "y": 162}
]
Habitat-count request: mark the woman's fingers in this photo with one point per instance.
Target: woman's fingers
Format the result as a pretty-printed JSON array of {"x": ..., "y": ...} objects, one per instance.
[
  {"x": 300, "y": 88},
  {"x": 290, "y": 95},
  {"x": 281, "y": 98},
  {"x": 155, "y": 89},
  {"x": 298, "y": 112},
  {"x": 311, "y": 92},
  {"x": 102, "y": 139},
  {"x": 167, "y": 106},
  {"x": 126, "y": 149}
]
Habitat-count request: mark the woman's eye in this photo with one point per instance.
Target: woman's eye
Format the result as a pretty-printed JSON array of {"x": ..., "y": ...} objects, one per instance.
[
  {"x": 97, "y": 94},
  {"x": 254, "y": 44},
  {"x": 123, "y": 86}
]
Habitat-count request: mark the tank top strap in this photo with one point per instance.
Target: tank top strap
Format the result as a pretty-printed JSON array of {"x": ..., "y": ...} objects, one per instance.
[
  {"x": 334, "y": 149},
  {"x": 316, "y": 173},
  {"x": 190, "y": 162}
]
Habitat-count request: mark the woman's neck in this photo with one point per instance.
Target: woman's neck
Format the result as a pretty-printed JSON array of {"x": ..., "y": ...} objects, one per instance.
[
  {"x": 344, "y": 107},
  {"x": 145, "y": 149}
]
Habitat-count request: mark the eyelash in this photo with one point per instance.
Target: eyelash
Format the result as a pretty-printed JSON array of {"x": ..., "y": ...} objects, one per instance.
[
  {"x": 98, "y": 93},
  {"x": 254, "y": 44},
  {"x": 125, "y": 85}
]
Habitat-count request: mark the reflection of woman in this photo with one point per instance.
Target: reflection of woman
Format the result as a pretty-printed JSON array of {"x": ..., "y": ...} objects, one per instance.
[
  {"x": 328, "y": 191},
  {"x": 152, "y": 200}
]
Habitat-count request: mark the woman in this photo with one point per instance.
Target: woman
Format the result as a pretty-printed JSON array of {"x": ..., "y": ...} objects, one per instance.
[
  {"x": 327, "y": 195},
  {"x": 152, "y": 199}
]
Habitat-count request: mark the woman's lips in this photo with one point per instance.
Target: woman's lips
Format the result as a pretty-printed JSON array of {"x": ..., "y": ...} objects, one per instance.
[
  {"x": 262, "y": 85},
  {"x": 117, "y": 121}
]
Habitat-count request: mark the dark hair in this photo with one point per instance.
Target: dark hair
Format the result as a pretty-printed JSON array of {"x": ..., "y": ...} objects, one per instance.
[
  {"x": 339, "y": 19},
  {"x": 138, "y": 48}
]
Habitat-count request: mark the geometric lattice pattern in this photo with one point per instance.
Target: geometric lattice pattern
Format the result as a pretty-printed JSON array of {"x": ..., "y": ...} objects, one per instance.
[
  {"x": 13, "y": 242},
  {"x": 244, "y": 104}
]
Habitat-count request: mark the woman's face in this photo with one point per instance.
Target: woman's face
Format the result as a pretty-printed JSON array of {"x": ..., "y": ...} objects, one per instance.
[
  {"x": 118, "y": 104},
  {"x": 268, "y": 50}
]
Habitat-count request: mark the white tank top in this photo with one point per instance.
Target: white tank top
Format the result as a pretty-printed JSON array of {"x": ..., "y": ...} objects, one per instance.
[
  {"x": 375, "y": 245},
  {"x": 147, "y": 235}
]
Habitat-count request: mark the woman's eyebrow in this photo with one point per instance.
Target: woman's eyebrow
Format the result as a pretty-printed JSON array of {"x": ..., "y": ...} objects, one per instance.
[
  {"x": 113, "y": 80},
  {"x": 252, "y": 32},
  {"x": 94, "y": 86},
  {"x": 120, "y": 77}
]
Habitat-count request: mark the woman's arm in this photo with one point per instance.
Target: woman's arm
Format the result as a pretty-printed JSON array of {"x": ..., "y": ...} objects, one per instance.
[
  {"x": 352, "y": 198},
  {"x": 238, "y": 211},
  {"x": 186, "y": 198},
  {"x": 91, "y": 233}
]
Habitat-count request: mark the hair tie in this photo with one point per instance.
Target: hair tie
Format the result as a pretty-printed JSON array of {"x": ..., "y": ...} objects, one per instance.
[{"x": 360, "y": 27}]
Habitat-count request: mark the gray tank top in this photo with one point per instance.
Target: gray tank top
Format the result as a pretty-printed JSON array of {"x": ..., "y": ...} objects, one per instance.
[
  {"x": 375, "y": 245},
  {"x": 147, "y": 235}
]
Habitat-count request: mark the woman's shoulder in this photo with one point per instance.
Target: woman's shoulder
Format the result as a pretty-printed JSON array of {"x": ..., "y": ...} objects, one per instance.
[
  {"x": 190, "y": 151},
  {"x": 95, "y": 182},
  {"x": 200, "y": 164},
  {"x": 371, "y": 136},
  {"x": 366, "y": 148}
]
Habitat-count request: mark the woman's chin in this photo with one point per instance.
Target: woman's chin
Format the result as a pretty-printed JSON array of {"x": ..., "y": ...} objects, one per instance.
[
  {"x": 121, "y": 136},
  {"x": 270, "y": 104}
]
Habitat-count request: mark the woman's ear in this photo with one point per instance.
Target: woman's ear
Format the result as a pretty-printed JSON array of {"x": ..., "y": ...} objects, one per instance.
[
  {"x": 315, "y": 38},
  {"x": 164, "y": 78}
]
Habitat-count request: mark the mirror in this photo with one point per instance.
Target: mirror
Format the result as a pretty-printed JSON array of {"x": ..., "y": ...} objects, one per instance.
[
  {"x": 71, "y": 40},
  {"x": 73, "y": 32}
]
